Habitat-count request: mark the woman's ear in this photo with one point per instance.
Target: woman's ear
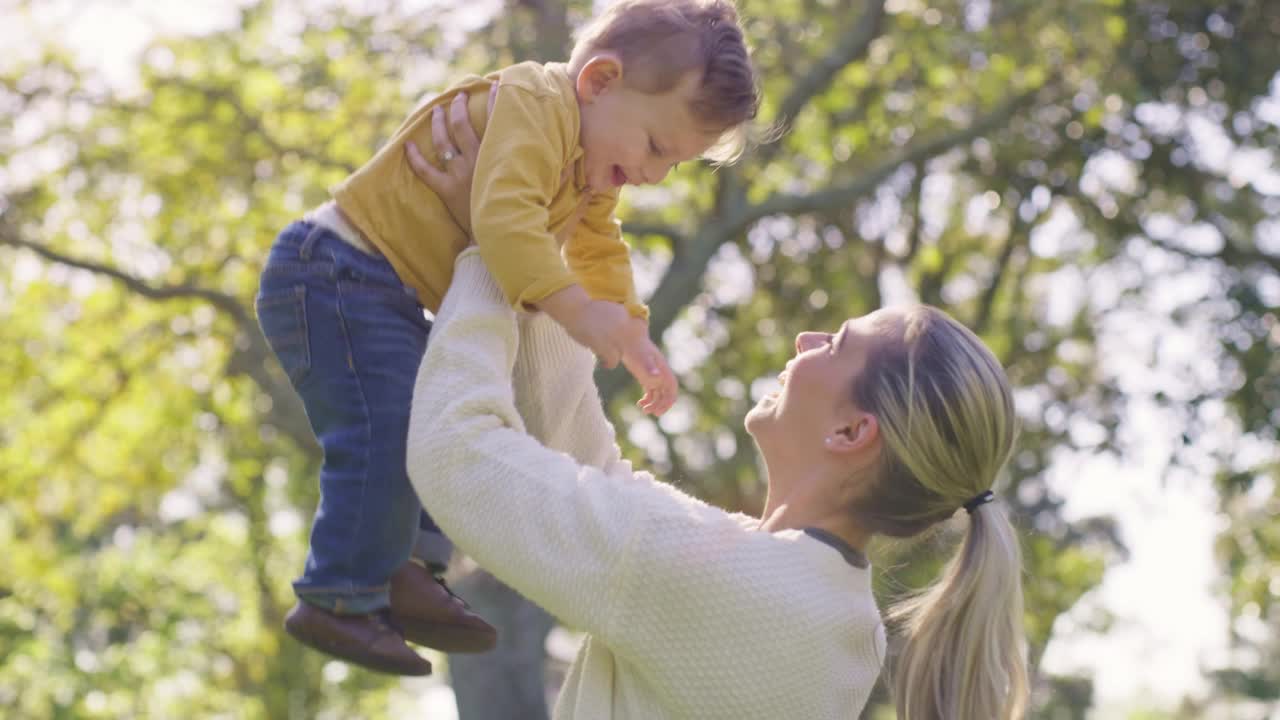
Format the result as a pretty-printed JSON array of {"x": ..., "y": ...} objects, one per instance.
[
  {"x": 601, "y": 73},
  {"x": 860, "y": 434}
]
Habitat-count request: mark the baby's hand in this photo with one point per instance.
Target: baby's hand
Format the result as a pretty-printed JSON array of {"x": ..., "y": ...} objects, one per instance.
[
  {"x": 613, "y": 334},
  {"x": 646, "y": 364},
  {"x": 597, "y": 324}
]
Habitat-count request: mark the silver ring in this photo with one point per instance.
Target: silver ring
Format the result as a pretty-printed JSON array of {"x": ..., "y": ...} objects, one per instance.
[{"x": 447, "y": 155}]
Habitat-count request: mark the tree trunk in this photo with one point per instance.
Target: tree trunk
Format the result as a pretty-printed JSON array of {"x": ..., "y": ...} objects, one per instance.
[{"x": 510, "y": 681}]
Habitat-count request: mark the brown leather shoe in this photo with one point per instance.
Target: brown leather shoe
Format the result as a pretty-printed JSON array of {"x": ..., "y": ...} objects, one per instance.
[
  {"x": 431, "y": 615},
  {"x": 366, "y": 640}
]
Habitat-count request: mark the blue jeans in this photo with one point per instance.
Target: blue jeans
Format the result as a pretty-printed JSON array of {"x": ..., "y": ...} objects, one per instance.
[{"x": 350, "y": 335}]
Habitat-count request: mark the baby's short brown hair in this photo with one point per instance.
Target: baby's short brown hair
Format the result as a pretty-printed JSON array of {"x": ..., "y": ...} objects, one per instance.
[{"x": 659, "y": 41}]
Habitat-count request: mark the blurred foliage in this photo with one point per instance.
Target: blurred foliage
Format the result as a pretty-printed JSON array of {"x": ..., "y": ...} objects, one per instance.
[{"x": 1040, "y": 169}]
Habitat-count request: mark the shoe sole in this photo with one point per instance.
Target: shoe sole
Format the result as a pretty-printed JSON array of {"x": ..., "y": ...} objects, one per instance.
[
  {"x": 370, "y": 662},
  {"x": 444, "y": 637}
]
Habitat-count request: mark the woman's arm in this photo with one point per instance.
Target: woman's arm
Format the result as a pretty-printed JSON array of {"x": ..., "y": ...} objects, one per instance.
[
  {"x": 559, "y": 533},
  {"x": 558, "y": 400}
]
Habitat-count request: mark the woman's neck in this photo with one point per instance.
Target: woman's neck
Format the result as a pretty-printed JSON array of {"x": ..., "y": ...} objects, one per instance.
[{"x": 806, "y": 506}]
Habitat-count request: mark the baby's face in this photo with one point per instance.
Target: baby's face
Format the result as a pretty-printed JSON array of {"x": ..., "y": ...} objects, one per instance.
[{"x": 631, "y": 137}]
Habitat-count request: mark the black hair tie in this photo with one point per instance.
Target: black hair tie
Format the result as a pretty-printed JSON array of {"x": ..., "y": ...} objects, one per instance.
[{"x": 979, "y": 500}]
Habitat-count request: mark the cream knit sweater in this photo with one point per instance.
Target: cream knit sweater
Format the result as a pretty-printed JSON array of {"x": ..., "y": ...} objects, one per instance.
[{"x": 690, "y": 611}]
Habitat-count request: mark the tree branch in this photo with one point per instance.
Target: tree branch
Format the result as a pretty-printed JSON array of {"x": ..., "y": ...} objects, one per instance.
[
  {"x": 250, "y": 356},
  {"x": 253, "y": 123},
  {"x": 1019, "y": 235},
  {"x": 917, "y": 153},
  {"x": 1229, "y": 255},
  {"x": 670, "y": 232},
  {"x": 1234, "y": 252},
  {"x": 857, "y": 110},
  {"x": 222, "y": 301},
  {"x": 988, "y": 301},
  {"x": 849, "y": 48}
]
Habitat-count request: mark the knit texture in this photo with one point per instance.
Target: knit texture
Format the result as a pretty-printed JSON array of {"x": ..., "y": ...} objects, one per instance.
[{"x": 690, "y": 611}]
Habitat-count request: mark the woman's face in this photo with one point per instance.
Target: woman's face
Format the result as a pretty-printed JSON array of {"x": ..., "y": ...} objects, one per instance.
[{"x": 817, "y": 384}]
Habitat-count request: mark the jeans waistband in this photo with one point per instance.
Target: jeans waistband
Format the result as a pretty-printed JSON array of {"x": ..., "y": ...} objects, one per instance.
[{"x": 331, "y": 218}]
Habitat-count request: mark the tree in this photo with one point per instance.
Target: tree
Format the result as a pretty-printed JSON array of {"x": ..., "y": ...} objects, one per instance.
[{"x": 981, "y": 156}]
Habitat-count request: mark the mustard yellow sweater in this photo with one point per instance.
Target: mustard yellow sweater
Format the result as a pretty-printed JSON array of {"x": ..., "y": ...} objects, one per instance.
[{"x": 528, "y": 180}]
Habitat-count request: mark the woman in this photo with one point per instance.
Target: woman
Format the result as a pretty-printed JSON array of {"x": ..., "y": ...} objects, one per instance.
[{"x": 886, "y": 427}]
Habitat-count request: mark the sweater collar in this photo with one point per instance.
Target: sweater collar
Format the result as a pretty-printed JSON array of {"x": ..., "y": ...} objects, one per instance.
[{"x": 850, "y": 554}]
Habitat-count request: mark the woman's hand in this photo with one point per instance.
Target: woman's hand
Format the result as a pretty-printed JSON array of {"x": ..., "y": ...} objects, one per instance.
[
  {"x": 458, "y": 145},
  {"x": 453, "y": 135}
]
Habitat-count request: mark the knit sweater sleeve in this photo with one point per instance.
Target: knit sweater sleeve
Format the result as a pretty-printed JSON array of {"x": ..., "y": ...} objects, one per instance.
[
  {"x": 549, "y": 527},
  {"x": 557, "y": 398}
]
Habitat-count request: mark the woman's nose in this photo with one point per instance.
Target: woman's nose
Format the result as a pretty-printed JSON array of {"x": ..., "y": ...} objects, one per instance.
[{"x": 806, "y": 340}]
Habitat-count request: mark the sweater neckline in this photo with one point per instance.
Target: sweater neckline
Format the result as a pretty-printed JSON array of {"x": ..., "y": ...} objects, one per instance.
[{"x": 850, "y": 554}]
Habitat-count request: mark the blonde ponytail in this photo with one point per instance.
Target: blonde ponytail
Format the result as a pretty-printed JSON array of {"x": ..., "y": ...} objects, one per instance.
[
  {"x": 963, "y": 658},
  {"x": 947, "y": 423}
]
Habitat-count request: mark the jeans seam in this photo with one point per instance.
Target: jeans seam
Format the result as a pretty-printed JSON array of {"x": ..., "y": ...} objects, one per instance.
[
  {"x": 349, "y": 589},
  {"x": 364, "y": 403},
  {"x": 291, "y": 268},
  {"x": 309, "y": 243},
  {"x": 295, "y": 298},
  {"x": 305, "y": 370}
]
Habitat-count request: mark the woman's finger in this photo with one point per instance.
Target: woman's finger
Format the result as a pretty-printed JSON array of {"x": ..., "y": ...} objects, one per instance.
[
  {"x": 425, "y": 171},
  {"x": 464, "y": 136},
  {"x": 440, "y": 138}
]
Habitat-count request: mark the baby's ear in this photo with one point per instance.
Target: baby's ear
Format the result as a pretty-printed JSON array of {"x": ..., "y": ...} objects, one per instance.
[{"x": 601, "y": 73}]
